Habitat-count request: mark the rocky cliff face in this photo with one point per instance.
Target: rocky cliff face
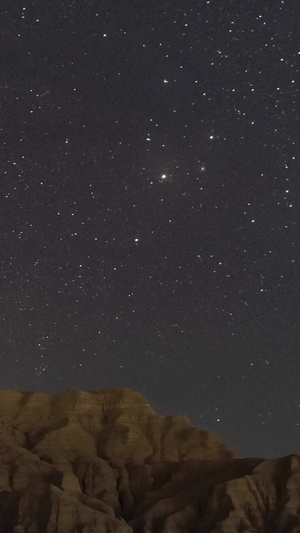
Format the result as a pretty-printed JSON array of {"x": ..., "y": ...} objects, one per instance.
[{"x": 103, "y": 461}]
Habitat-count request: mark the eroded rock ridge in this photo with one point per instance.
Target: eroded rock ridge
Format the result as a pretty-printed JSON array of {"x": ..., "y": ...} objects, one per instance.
[{"x": 103, "y": 461}]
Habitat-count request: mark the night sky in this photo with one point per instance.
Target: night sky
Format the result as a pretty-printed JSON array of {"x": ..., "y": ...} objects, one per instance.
[{"x": 149, "y": 208}]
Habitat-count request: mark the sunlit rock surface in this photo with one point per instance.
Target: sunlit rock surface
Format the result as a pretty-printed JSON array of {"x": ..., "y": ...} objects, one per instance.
[{"x": 103, "y": 461}]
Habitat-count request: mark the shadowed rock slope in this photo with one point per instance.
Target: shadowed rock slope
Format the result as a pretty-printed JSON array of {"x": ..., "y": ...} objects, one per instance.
[{"x": 103, "y": 461}]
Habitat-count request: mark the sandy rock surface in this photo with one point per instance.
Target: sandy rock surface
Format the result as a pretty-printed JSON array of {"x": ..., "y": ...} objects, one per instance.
[{"x": 103, "y": 461}]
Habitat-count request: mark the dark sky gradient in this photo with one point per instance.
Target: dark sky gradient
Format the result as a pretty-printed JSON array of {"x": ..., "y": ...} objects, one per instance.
[{"x": 149, "y": 207}]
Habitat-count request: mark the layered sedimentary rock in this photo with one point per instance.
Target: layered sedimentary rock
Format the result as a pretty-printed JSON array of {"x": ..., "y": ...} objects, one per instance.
[{"x": 103, "y": 461}]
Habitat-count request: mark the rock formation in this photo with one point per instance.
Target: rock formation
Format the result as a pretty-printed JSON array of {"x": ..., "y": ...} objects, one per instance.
[{"x": 103, "y": 461}]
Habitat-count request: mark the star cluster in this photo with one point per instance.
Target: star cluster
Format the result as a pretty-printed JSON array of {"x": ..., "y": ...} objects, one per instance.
[{"x": 150, "y": 208}]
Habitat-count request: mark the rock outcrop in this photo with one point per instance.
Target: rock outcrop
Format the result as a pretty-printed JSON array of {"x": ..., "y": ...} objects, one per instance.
[{"x": 103, "y": 461}]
